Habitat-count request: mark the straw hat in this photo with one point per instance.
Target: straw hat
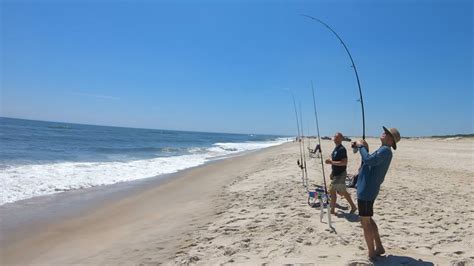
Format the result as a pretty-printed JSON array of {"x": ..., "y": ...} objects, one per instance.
[{"x": 394, "y": 134}]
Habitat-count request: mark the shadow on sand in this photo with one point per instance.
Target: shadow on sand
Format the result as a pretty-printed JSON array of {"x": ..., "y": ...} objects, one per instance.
[
  {"x": 400, "y": 260},
  {"x": 391, "y": 260},
  {"x": 351, "y": 217}
]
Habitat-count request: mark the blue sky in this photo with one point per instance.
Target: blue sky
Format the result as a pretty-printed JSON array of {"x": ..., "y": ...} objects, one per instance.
[{"x": 227, "y": 66}]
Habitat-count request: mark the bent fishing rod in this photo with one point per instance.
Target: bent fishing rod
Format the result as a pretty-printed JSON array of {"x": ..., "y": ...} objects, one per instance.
[
  {"x": 353, "y": 66},
  {"x": 322, "y": 163},
  {"x": 300, "y": 161}
]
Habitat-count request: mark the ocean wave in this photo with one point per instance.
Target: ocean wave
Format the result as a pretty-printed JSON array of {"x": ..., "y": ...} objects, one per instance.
[
  {"x": 137, "y": 150},
  {"x": 27, "y": 181}
]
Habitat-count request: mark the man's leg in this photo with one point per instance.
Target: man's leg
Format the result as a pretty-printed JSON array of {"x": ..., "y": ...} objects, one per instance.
[
  {"x": 349, "y": 199},
  {"x": 332, "y": 202},
  {"x": 379, "y": 250},
  {"x": 368, "y": 234}
]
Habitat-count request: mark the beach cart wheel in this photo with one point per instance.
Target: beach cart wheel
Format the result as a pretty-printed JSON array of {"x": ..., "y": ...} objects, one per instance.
[
  {"x": 313, "y": 200},
  {"x": 310, "y": 201}
]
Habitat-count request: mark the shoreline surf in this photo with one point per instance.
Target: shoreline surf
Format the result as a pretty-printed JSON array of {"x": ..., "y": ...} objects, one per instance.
[{"x": 83, "y": 156}]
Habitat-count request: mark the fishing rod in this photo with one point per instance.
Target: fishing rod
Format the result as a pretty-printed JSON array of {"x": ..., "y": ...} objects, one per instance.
[
  {"x": 353, "y": 66},
  {"x": 322, "y": 163},
  {"x": 309, "y": 139},
  {"x": 305, "y": 180},
  {"x": 319, "y": 139},
  {"x": 299, "y": 161}
]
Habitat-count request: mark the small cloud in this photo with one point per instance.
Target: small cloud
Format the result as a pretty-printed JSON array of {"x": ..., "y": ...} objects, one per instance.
[{"x": 105, "y": 97}]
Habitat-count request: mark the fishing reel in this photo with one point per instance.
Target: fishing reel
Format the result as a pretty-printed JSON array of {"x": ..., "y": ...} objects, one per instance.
[
  {"x": 300, "y": 165},
  {"x": 354, "y": 147}
]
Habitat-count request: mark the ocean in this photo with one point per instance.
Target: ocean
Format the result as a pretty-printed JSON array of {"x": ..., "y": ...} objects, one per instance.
[{"x": 40, "y": 158}]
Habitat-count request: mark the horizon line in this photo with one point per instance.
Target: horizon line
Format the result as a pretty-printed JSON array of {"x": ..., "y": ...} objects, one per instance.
[{"x": 143, "y": 128}]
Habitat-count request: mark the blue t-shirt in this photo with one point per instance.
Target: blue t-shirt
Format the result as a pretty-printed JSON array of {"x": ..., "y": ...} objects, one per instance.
[{"x": 373, "y": 172}]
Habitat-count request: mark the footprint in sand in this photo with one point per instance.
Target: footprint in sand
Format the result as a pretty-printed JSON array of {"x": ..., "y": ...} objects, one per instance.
[
  {"x": 459, "y": 263},
  {"x": 359, "y": 263},
  {"x": 229, "y": 252},
  {"x": 252, "y": 227},
  {"x": 304, "y": 215}
]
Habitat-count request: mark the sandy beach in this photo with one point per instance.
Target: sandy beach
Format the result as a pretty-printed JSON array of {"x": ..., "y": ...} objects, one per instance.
[{"x": 253, "y": 209}]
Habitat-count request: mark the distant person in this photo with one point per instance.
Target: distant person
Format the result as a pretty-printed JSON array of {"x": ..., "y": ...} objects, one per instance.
[
  {"x": 338, "y": 175},
  {"x": 371, "y": 176},
  {"x": 316, "y": 151}
]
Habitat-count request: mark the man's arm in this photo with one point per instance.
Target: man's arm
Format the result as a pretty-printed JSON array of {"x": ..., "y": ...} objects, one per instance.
[
  {"x": 342, "y": 162},
  {"x": 371, "y": 159}
]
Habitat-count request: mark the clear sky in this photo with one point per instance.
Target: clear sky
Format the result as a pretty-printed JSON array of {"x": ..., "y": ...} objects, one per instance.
[{"x": 226, "y": 66}]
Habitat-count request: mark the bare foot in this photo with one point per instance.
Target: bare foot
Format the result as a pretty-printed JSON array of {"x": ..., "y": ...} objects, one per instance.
[
  {"x": 380, "y": 251},
  {"x": 333, "y": 212},
  {"x": 353, "y": 209}
]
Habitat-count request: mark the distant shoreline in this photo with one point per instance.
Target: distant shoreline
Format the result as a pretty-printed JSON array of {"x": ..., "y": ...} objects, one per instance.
[{"x": 455, "y": 136}]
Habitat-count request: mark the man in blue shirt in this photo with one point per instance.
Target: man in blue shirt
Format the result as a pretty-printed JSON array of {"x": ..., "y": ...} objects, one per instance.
[{"x": 371, "y": 176}]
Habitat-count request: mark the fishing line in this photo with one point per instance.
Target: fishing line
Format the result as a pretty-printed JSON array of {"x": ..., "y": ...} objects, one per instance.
[{"x": 353, "y": 67}]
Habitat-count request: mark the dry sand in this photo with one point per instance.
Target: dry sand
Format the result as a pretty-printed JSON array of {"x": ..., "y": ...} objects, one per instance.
[{"x": 252, "y": 209}]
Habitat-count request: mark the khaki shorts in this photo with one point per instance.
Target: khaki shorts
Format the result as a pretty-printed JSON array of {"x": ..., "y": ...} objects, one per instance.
[{"x": 339, "y": 187}]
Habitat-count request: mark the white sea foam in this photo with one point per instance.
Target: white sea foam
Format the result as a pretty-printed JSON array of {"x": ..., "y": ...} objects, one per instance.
[
  {"x": 27, "y": 181},
  {"x": 229, "y": 148}
]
